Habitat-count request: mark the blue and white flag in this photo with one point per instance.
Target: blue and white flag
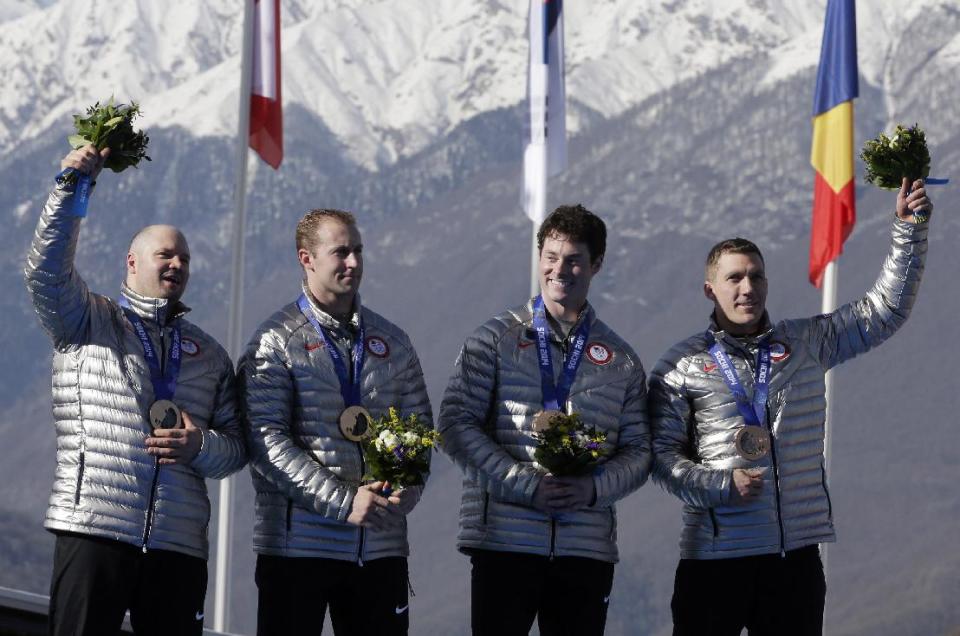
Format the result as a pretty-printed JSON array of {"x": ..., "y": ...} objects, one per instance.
[{"x": 546, "y": 154}]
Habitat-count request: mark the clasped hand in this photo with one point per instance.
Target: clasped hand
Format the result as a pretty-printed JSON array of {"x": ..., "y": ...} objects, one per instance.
[
  {"x": 371, "y": 509},
  {"x": 555, "y": 495}
]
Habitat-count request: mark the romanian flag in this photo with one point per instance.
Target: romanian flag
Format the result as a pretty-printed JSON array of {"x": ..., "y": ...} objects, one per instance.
[
  {"x": 266, "y": 112},
  {"x": 834, "y": 200}
]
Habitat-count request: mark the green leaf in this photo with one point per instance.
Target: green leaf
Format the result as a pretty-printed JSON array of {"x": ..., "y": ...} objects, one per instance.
[{"x": 77, "y": 141}]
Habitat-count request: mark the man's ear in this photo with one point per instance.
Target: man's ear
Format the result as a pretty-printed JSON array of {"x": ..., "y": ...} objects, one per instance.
[
  {"x": 708, "y": 291},
  {"x": 596, "y": 265},
  {"x": 131, "y": 263},
  {"x": 303, "y": 255}
]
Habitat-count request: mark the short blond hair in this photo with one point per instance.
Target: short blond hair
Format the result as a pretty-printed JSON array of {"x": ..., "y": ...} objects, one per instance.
[{"x": 311, "y": 221}]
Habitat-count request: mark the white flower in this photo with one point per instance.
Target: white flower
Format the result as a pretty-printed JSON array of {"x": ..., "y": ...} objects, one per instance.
[
  {"x": 389, "y": 440},
  {"x": 411, "y": 439}
]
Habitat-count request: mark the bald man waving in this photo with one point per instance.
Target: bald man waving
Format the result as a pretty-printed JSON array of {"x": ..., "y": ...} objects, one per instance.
[{"x": 145, "y": 409}]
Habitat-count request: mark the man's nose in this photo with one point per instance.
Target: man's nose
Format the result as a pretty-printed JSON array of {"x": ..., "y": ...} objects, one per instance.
[{"x": 352, "y": 260}]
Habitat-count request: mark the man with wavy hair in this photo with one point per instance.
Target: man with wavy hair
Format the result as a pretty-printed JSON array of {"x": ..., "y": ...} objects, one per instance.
[{"x": 542, "y": 546}]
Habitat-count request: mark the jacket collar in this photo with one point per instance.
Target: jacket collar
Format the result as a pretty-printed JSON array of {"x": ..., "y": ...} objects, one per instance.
[
  {"x": 159, "y": 310},
  {"x": 741, "y": 342},
  {"x": 586, "y": 314},
  {"x": 328, "y": 321}
]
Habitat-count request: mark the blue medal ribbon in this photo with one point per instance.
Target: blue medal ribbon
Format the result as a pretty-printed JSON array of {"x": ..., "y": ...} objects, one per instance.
[
  {"x": 163, "y": 378},
  {"x": 555, "y": 395},
  {"x": 754, "y": 414},
  {"x": 350, "y": 390},
  {"x": 81, "y": 193},
  {"x": 922, "y": 217}
]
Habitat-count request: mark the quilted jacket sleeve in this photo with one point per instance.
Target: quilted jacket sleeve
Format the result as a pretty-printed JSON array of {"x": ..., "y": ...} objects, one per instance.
[
  {"x": 267, "y": 402},
  {"x": 629, "y": 467},
  {"x": 856, "y": 327},
  {"x": 465, "y": 420},
  {"x": 674, "y": 452},
  {"x": 224, "y": 448},
  {"x": 59, "y": 295}
]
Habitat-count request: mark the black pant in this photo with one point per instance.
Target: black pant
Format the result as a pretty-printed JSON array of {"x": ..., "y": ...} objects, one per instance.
[
  {"x": 567, "y": 595},
  {"x": 363, "y": 600},
  {"x": 95, "y": 581},
  {"x": 768, "y": 594}
]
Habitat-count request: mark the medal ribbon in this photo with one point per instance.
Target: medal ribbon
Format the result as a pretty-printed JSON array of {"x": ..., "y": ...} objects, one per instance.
[
  {"x": 754, "y": 414},
  {"x": 555, "y": 395},
  {"x": 164, "y": 379},
  {"x": 350, "y": 390},
  {"x": 81, "y": 194}
]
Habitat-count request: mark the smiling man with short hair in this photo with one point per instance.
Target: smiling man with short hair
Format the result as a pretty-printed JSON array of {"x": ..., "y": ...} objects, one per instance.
[
  {"x": 313, "y": 372},
  {"x": 145, "y": 409},
  {"x": 544, "y": 547},
  {"x": 738, "y": 415}
]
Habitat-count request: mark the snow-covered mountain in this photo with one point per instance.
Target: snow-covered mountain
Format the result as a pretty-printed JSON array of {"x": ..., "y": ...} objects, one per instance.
[
  {"x": 388, "y": 77},
  {"x": 689, "y": 122}
]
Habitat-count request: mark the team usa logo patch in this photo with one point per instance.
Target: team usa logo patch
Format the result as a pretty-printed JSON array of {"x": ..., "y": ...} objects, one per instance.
[
  {"x": 598, "y": 353},
  {"x": 779, "y": 351},
  {"x": 378, "y": 347},
  {"x": 189, "y": 347}
]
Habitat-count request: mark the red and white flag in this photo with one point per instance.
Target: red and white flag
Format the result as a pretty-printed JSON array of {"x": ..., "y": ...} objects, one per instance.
[{"x": 266, "y": 113}]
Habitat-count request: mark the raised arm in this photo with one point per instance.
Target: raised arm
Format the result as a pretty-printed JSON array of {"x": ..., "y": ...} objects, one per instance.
[
  {"x": 60, "y": 297},
  {"x": 861, "y": 325}
]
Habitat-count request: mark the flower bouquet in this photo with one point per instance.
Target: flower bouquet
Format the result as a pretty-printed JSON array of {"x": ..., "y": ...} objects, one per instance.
[
  {"x": 568, "y": 447},
  {"x": 398, "y": 450},
  {"x": 890, "y": 159},
  {"x": 904, "y": 154},
  {"x": 111, "y": 126}
]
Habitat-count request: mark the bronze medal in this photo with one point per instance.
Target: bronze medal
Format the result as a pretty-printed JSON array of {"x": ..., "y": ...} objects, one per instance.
[
  {"x": 752, "y": 443},
  {"x": 355, "y": 423},
  {"x": 541, "y": 421},
  {"x": 165, "y": 414}
]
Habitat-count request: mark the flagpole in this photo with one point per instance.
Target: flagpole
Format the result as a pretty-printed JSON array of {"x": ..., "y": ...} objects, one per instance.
[
  {"x": 221, "y": 605},
  {"x": 541, "y": 209},
  {"x": 828, "y": 304}
]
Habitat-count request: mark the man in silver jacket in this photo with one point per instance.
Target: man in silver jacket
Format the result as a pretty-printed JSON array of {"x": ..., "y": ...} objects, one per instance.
[
  {"x": 738, "y": 433},
  {"x": 323, "y": 537},
  {"x": 542, "y": 545},
  {"x": 129, "y": 504}
]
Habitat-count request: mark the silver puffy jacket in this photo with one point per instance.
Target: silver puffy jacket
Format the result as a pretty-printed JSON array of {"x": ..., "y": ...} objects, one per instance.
[
  {"x": 695, "y": 419},
  {"x": 486, "y": 427},
  {"x": 106, "y": 484},
  {"x": 304, "y": 471}
]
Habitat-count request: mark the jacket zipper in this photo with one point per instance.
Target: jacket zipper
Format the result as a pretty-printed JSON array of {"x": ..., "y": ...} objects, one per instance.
[
  {"x": 776, "y": 484},
  {"x": 776, "y": 465},
  {"x": 76, "y": 495},
  {"x": 156, "y": 462},
  {"x": 713, "y": 521},
  {"x": 553, "y": 537},
  {"x": 363, "y": 469}
]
